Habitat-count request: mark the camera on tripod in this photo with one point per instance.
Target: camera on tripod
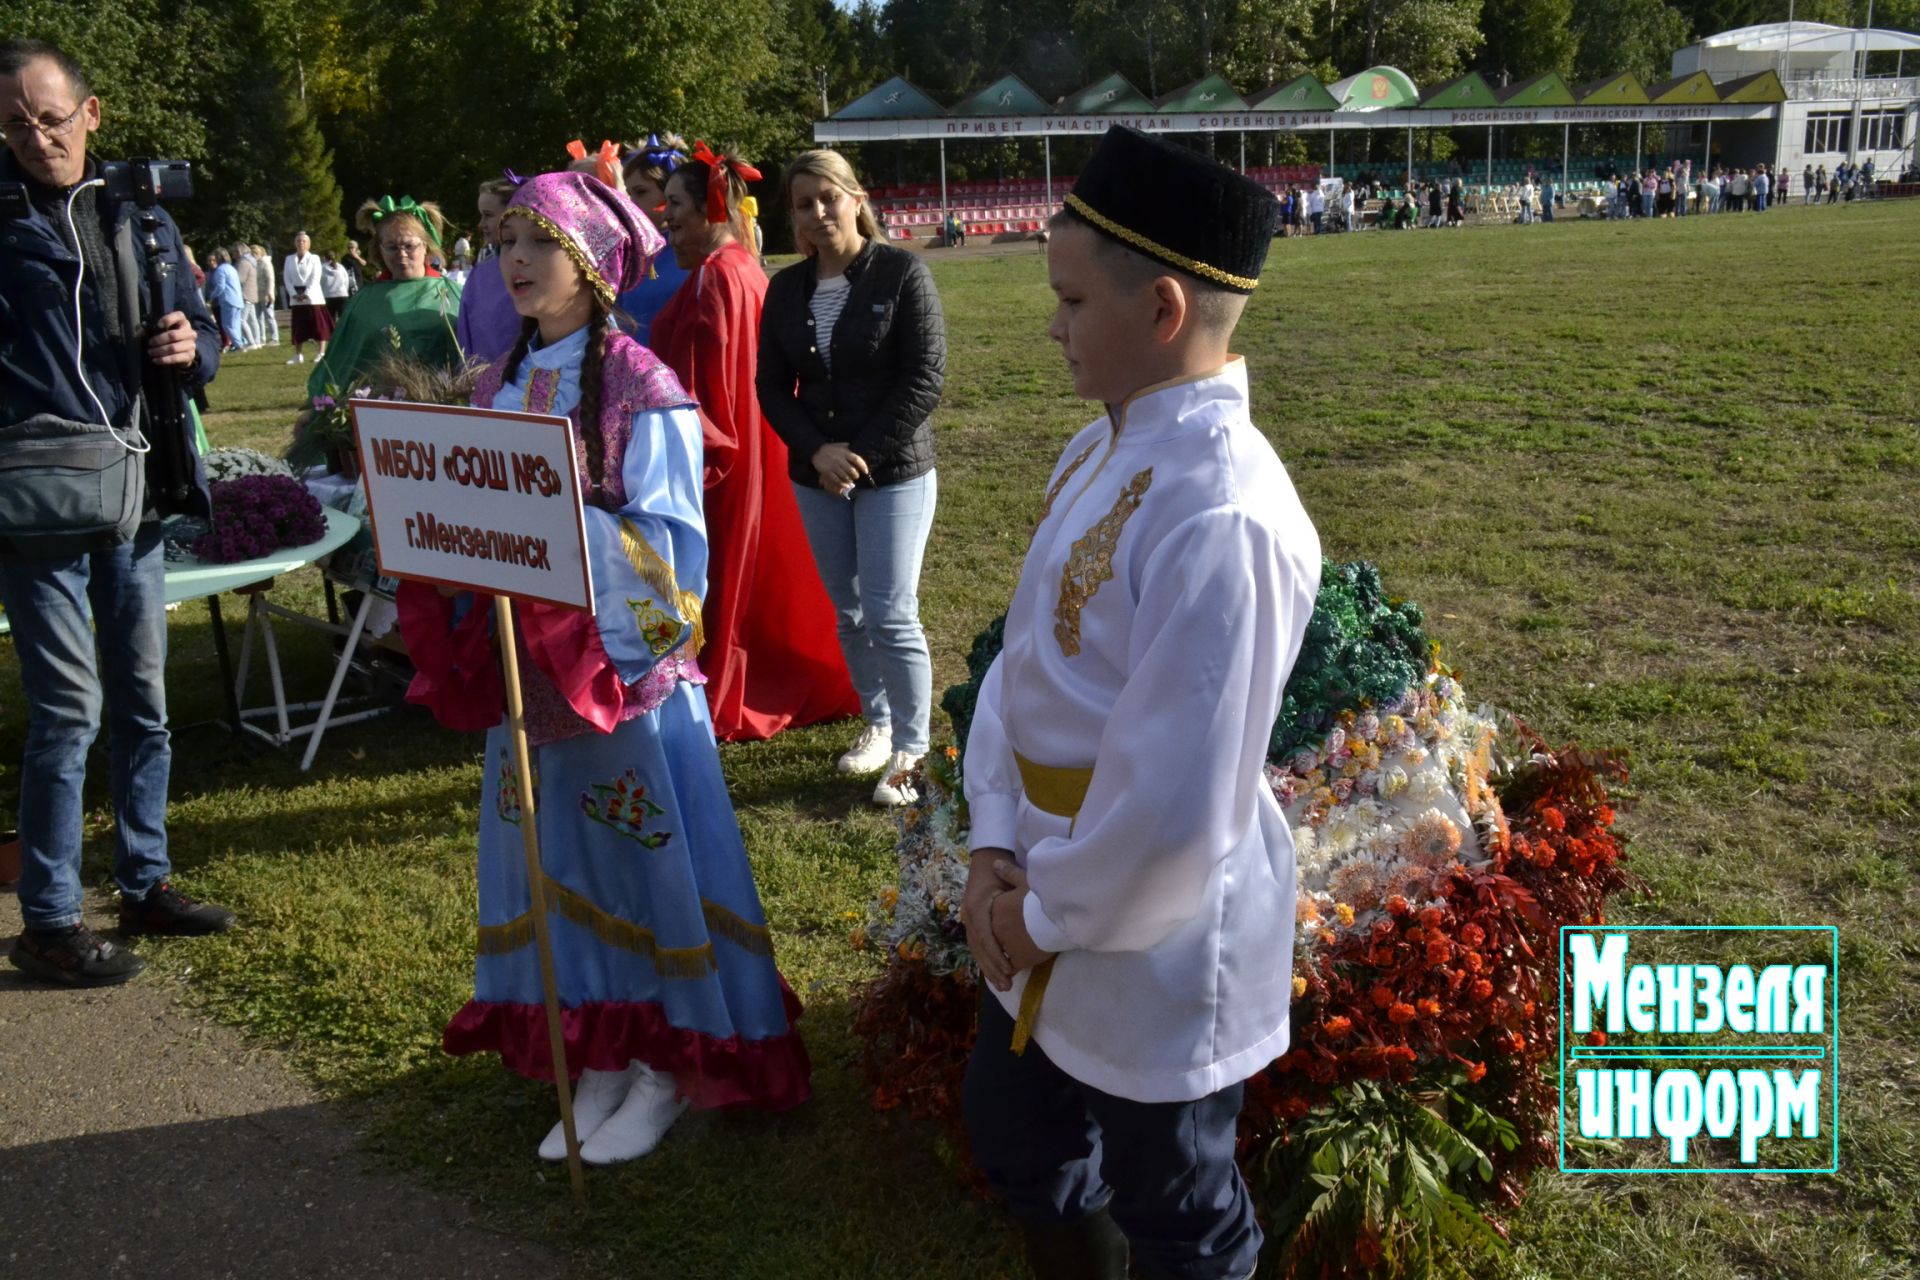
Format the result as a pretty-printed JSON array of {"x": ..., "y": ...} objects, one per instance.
[{"x": 146, "y": 182}]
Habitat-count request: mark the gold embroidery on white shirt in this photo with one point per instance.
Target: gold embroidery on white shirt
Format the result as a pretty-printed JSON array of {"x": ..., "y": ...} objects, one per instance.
[
  {"x": 1091, "y": 562},
  {"x": 1053, "y": 494}
]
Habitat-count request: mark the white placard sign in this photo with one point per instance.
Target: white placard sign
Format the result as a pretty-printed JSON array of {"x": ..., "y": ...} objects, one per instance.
[{"x": 478, "y": 499}]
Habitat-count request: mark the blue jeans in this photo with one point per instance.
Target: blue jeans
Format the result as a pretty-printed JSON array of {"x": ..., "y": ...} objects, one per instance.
[
  {"x": 1646, "y": 204},
  {"x": 47, "y": 604},
  {"x": 869, "y": 548},
  {"x": 233, "y": 323}
]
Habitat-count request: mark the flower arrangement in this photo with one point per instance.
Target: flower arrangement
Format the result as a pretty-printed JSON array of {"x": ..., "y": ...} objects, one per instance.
[
  {"x": 257, "y": 515},
  {"x": 1439, "y": 847},
  {"x": 323, "y": 433},
  {"x": 234, "y": 463}
]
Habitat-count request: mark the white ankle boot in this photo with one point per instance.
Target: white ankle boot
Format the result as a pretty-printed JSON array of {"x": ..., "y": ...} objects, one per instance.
[
  {"x": 651, "y": 1107},
  {"x": 869, "y": 752},
  {"x": 597, "y": 1096}
]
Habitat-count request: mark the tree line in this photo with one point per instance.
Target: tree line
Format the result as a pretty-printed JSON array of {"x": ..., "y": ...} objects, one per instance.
[{"x": 293, "y": 113}]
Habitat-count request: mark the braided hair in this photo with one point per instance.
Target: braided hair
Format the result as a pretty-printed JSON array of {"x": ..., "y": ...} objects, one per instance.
[{"x": 592, "y": 369}]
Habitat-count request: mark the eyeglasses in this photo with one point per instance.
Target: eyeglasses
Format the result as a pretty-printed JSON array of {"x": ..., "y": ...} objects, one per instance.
[
  {"x": 21, "y": 130},
  {"x": 403, "y": 248}
]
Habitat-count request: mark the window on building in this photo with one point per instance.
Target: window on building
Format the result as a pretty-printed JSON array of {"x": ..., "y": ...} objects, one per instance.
[
  {"x": 1883, "y": 130},
  {"x": 1828, "y": 130}
]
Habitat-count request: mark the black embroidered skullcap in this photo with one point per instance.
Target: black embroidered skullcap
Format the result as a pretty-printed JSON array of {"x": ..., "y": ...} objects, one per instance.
[{"x": 1175, "y": 205}]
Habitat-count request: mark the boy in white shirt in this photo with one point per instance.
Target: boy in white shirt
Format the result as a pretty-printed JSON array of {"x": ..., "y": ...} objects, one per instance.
[{"x": 1131, "y": 898}]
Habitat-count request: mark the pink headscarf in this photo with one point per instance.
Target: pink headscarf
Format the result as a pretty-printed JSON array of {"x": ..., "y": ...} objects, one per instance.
[{"x": 603, "y": 231}]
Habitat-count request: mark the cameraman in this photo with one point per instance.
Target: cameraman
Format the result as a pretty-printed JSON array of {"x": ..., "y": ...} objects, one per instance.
[{"x": 85, "y": 368}]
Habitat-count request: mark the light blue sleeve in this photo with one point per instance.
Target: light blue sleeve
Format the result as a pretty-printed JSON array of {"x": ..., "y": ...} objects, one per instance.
[{"x": 650, "y": 556}]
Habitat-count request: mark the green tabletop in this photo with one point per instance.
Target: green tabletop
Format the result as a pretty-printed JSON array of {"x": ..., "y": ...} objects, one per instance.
[{"x": 193, "y": 579}]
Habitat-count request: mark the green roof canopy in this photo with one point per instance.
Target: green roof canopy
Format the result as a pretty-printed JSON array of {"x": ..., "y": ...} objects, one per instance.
[
  {"x": 1548, "y": 90},
  {"x": 1302, "y": 93},
  {"x": 1688, "y": 90},
  {"x": 1007, "y": 96},
  {"x": 1616, "y": 91},
  {"x": 1375, "y": 88},
  {"x": 1762, "y": 86},
  {"x": 894, "y": 100},
  {"x": 1469, "y": 90},
  {"x": 1111, "y": 96},
  {"x": 1209, "y": 93}
]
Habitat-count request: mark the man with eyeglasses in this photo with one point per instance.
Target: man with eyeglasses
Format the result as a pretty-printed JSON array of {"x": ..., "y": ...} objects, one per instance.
[{"x": 73, "y": 290}]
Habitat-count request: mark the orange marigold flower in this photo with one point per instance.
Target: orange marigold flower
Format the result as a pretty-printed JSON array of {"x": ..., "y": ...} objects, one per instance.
[
  {"x": 1481, "y": 989},
  {"x": 1472, "y": 934},
  {"x": 1476, "y": 1072},
  {"x": 1396, "y": 905},
  {"x": 1382, "y": 996},
  {"x": 1603, "y": 815},
  {"x": 1339, "y": 1025},
  {"x": 1553, "y": 819},
  {"x": 1431, "y": 916},
  {"x": 1401, "y": 1012},
  {"x": 1439, "y": 951},
  {"x": 1400, "y": 1053},
  {"x": 1596, "y": 1038},
  {"x": 1474, "y": 961},
  {"x": 1429, "y": 1007}
]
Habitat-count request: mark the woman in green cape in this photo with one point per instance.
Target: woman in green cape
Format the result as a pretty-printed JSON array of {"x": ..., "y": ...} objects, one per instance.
[{"x": 411, "y": 307}]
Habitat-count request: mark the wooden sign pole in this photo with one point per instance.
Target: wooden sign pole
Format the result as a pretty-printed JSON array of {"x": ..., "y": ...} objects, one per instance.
[{"x": 536, "y": 887}]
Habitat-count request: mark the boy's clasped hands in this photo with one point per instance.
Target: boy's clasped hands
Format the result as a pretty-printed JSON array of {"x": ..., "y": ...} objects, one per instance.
[{"x": 994, "y": 913}]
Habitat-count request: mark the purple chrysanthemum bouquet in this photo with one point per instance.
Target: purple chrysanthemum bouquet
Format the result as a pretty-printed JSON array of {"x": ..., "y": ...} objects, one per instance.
[{"x": 255, "y": 516}]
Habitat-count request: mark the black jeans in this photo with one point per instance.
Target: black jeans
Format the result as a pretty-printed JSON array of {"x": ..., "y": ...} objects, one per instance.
[{"x": 1058, "y": 1150}]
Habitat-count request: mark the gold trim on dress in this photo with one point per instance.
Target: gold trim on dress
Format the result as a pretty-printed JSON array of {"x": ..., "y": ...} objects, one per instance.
[
  {"x": 1159, "y": 250},
  {"x": 737, "y": 929},
  {"x": 670, "y": 962},
  {"x": 658, "y": 574},
  {"x": 1091, "y": 562}
]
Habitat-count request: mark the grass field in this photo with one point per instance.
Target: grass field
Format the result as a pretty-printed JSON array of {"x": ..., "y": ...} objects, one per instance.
[{"x": 1655, "y": 485}]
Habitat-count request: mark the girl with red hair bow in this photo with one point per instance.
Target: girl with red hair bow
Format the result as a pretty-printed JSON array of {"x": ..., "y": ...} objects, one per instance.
[{"x": 771, "y": 659}]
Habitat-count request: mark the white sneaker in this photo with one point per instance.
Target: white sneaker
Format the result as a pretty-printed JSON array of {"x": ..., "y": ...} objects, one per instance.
[
  {"x": 869, "y": 752},
  {"x": 651, "y": 1107},
  {"x": 895, "y": 788},
  {"x": 299, "y": 359},
  {"x": 597, "y": 1096}
]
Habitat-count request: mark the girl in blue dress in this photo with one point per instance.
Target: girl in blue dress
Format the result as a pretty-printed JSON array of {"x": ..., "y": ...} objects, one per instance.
[{"x": 663, "y": 958}]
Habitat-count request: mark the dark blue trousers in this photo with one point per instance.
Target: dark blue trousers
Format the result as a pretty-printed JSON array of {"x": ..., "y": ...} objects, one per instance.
[{"x": 1058, "y": 1150}]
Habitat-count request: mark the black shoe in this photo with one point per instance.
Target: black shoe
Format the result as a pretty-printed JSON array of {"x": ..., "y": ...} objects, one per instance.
[
  {"x": 1091, "y": 1248},
  {"x": 166, "y": 910},
  {"x": 75, "y": 957}
]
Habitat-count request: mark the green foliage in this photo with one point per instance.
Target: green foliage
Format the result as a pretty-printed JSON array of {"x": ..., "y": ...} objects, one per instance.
[
  {"x": 1381, "y": 1178},
  {"x": 1361, "y": 649},
  {"x": 960, "y": 699}
]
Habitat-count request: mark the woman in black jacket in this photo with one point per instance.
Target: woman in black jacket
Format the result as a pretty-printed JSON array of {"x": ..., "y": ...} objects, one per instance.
[{"x": 853, "y": 353}]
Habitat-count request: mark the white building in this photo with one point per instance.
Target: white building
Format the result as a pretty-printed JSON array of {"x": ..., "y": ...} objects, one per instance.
[{"x": 1833, "y": 113}]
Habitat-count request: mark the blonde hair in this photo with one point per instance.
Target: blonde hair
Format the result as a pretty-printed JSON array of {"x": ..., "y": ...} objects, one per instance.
[
  {"x": 501, "y": 187},
  {"x": 830, "y": 166},
  {"x": 433, "y": 235}
]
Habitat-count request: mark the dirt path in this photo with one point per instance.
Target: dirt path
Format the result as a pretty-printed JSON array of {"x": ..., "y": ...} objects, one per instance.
[{"x": 138, "y": 1140}]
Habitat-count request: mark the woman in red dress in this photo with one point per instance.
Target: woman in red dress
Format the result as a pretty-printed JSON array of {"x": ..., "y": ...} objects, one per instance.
[{"x": 772, "y": 657}]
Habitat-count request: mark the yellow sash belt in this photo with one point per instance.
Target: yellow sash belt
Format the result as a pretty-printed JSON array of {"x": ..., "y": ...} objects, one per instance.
[{"x": 1060, "y": 792}]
